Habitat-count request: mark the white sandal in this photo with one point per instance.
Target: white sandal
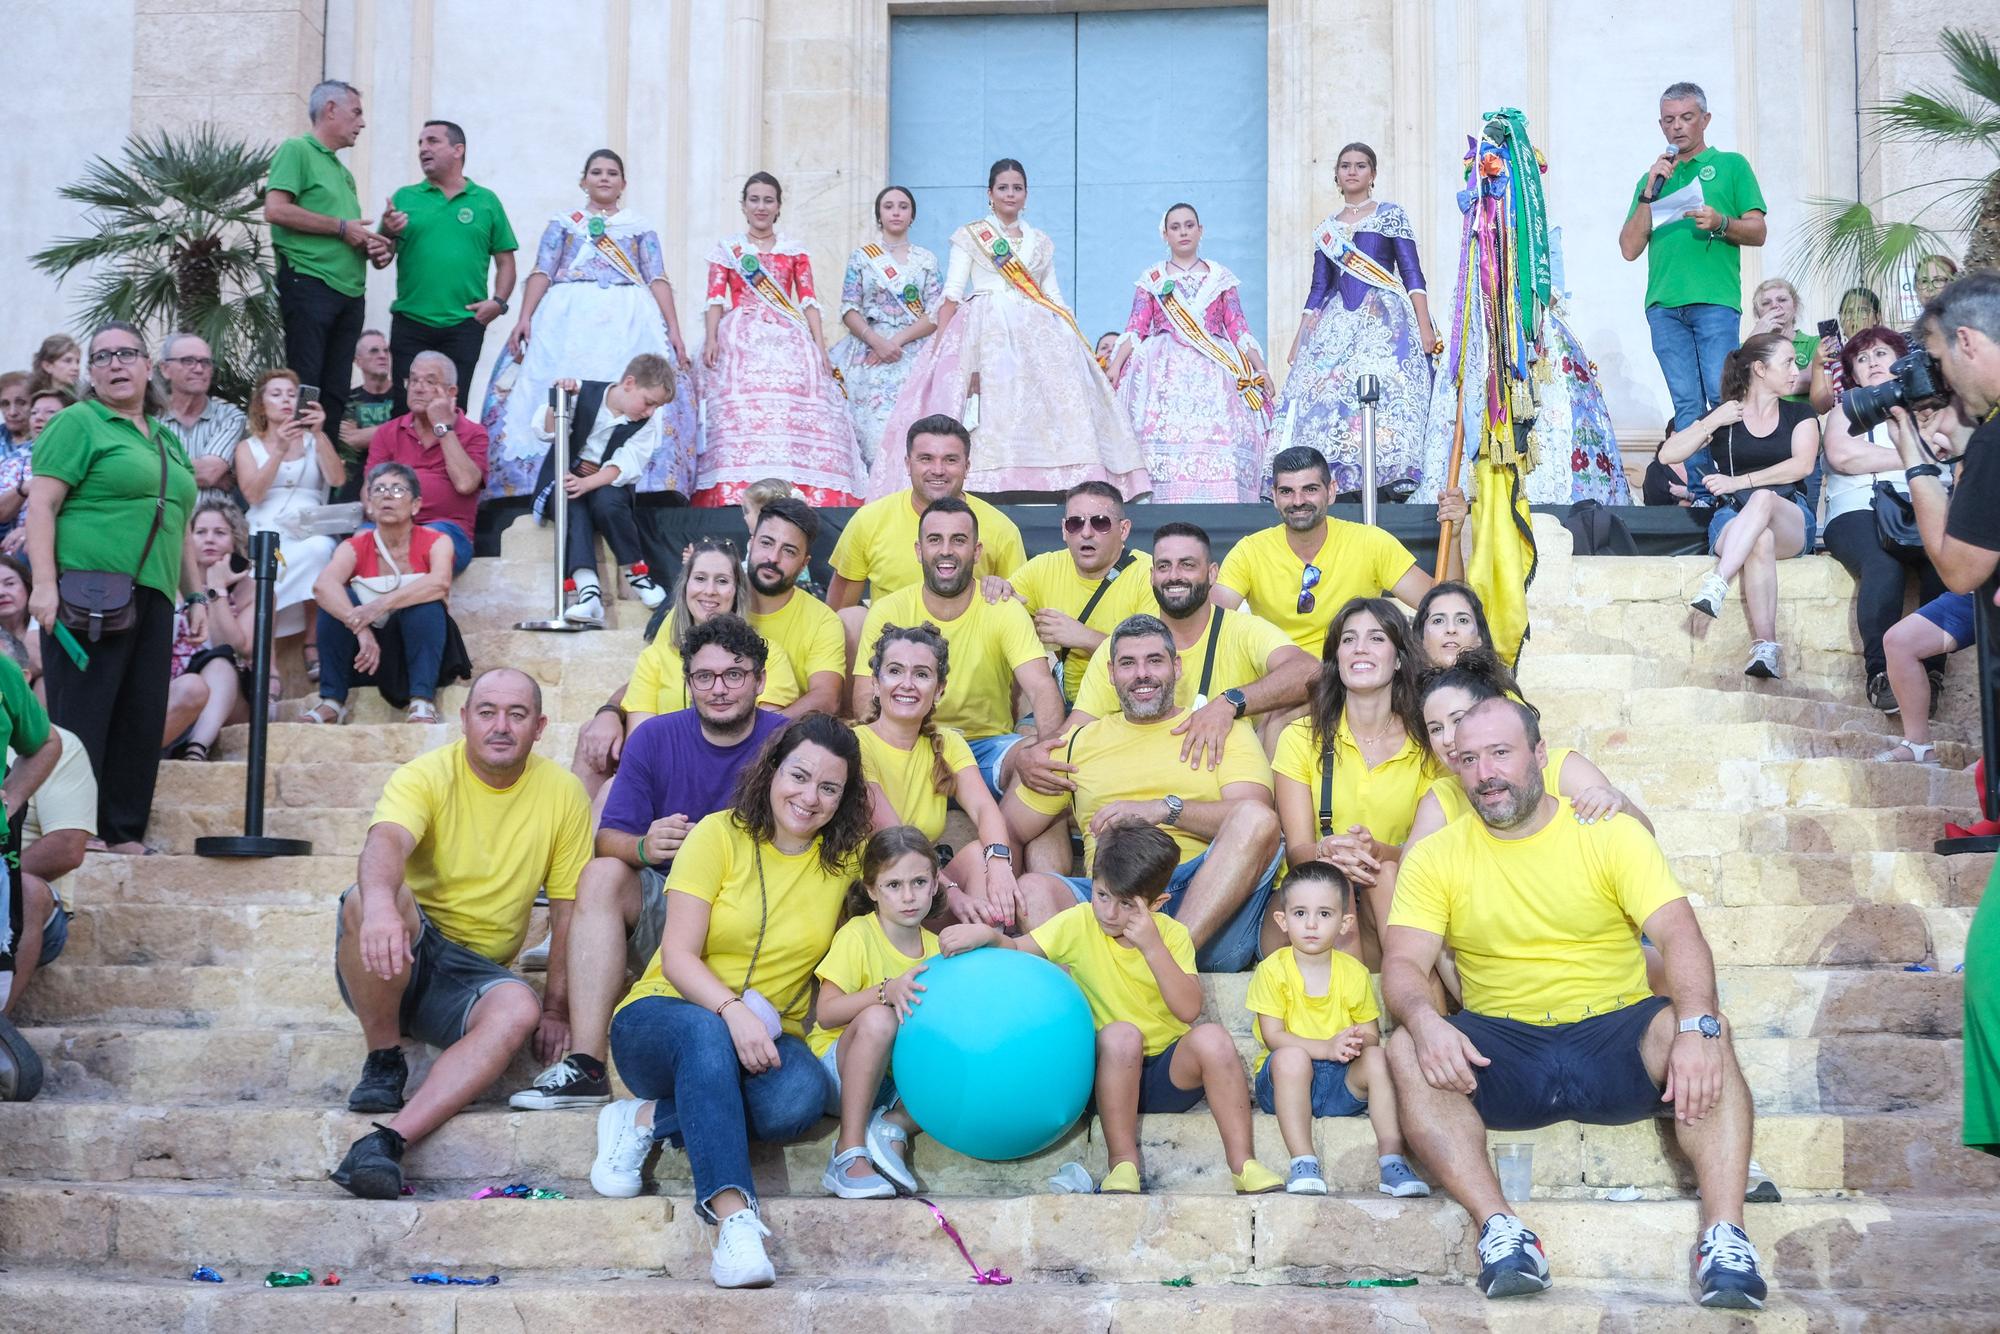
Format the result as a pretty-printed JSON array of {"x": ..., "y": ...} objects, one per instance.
[
  {"x": 1920, "y": 752},
  {"x": 318, "y": 713},
  {"x": 421, "y": 711}
]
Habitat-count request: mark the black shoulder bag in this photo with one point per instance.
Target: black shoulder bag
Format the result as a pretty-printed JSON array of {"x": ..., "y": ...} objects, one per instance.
[
  {"x": 96, "y": 602},
  {"x": 1096, "y": 596}
]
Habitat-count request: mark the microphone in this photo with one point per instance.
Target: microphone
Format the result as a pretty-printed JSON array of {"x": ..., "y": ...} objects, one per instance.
[{"x": 1651, "y": 194}]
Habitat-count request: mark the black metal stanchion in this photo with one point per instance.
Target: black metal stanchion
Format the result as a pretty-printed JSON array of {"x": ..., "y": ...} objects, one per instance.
[
  {"x": 560, "y": 407},
  {"x": 1369, "y": 391},
  {"x": 1986, "y": 620},
  {"x": 253, "y": 843}
]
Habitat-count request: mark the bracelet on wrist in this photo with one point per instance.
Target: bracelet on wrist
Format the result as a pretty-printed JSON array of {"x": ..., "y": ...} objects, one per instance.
[
  {"x": 618, "y": 709},
  {"x": 733, "y": 1000},
  {"x": 1912, "y": 473},
  {"x": 882, "y": 993}
]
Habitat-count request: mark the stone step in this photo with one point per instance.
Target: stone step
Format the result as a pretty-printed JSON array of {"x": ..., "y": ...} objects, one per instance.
[
  {"x": 1716, "y": 743},
  {"x": 250, "y": 1145},
  {"x": 1721, "y": 832},
  {"x": 1827, "y": 1244}
]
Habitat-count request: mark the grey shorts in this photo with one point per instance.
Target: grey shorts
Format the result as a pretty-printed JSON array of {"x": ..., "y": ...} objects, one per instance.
[
  {"x": 644, "y": 941},
  {"x": 446, "y": 981}
]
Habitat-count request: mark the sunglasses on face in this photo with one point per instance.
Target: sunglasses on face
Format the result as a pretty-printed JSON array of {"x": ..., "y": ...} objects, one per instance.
[
  {"x": 1099, "y": 523},
  {"x": 1307, "y": 582}
]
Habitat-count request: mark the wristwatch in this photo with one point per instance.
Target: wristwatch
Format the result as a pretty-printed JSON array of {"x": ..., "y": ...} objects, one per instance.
[
  {"x": 1174, "y": 806},
  {"x": 440, "y": 429},
  {"x": 499, "y": 301},
  {"x": 1237, "y": 698},
  {"x": 1911, "y": 474},
  {"x": 1705, "y": 1024},
  {"x": 999, "y": 851}
]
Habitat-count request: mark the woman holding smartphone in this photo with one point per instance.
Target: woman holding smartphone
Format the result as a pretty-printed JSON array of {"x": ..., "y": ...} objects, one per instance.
[{"x": 284, "y": 467}]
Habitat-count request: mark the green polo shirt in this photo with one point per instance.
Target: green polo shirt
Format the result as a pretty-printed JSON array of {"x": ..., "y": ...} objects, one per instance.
[
  {"x": 442, "y": 255},
  {"x": 307, "y": 170},
  {"x": 1805, "y": 350},
  {"x": 24, "y": 723},
  {"x": 113, "y": 476},
  {"x": 1684, "y": 265}
]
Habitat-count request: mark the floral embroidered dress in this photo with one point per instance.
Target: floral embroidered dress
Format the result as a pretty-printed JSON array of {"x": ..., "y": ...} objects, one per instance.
[
  {"x": 1363, "y": 276},
  {"x": 598, "y": 314},
  {"x": 295, "y": 488},
  {"x": 1047, "y": 419},
  {"x": 1187, "y": 387},
  {"x": 891, "y": 294},
  {"x": 771, "y": 408}
]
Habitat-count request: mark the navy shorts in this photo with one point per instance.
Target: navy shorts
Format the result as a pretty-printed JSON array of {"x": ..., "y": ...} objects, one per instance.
[
  {"x": 1157, "y": 1090},
  {"x": 1589, "y": 1071},
  {"x": 1951, "y": 613},
  {"x": 1330, "y": 1094},
  {"x": 446, "y": 981}
]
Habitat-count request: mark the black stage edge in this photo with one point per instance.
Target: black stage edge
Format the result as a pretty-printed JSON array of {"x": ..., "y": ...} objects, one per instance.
[{"x": 667, "y": 524}]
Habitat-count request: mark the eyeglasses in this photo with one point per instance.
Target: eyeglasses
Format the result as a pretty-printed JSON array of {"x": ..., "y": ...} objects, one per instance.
[
  {"x": 1099, "y": 523},
  {"x": 199, "y": 363},
  {"x": 1307, "y": 582},
  {"x": 732, "y": 677},
  {"x": 394, "y": 491},
  {"x": 122, "y": 355}
]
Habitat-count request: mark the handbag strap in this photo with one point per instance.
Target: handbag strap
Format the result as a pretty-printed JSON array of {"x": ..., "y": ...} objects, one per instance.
[
  {"x": 1097, "y": 596},
  {"x": 1208, "y": 659},
  {"x": 159, "y": 505}
]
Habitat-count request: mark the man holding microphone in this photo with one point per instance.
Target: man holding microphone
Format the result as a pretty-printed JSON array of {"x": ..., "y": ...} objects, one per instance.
[{"x": 1691, "y": 212}]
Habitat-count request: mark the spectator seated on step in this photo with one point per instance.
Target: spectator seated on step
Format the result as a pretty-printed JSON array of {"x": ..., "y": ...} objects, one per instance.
[
  {"x": 33, "y": 926},
  {"x": 445, "y": 449},
  {"x": 463, "y": 839},
  {"x": 382, "y": 608},
  {"x": 1543, "y": 913},
  {"x": 677, "y": 768},
  {"x": 1128, "y": 770}
]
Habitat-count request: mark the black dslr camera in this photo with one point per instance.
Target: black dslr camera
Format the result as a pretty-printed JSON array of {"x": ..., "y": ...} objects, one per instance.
[{"x": 1915, "y": 382}]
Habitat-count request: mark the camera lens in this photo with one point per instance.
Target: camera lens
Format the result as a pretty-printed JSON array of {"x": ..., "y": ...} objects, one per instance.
[{"x": 1867, "y": 408}]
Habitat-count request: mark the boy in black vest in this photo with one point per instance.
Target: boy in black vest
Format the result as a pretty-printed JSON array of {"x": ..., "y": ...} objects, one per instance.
[{"x": 609, "y": 444}]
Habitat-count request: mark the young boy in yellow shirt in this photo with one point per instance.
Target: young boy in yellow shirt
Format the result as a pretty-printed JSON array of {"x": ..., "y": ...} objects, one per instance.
[
  {"x": 1135, "y": 965},
  {"x": 1317, "y": 1023}
]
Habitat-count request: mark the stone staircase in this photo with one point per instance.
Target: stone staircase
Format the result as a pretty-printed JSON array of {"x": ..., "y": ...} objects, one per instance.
[{"x": 199, "y": 1058}]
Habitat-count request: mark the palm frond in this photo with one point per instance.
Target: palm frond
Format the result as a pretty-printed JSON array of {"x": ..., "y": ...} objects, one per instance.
[
  {"x": 1843, "y": 243},
  {"x": 1974, "y": 62},
  {"x": 1966, "y": 112}
]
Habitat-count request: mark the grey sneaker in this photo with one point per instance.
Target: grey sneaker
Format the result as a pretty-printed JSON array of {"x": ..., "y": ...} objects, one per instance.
[
  {"x": 1881, "y": 696},
  {"x": 1761, "y": 1189},
  {"x": 1714, "y": 591},
  {"x": 870, "y": 1186},
  {"x": 1400, "y": 1181},
  {"x": 1305, "y": 1178},
  {"x": 1764, "y": 661}
]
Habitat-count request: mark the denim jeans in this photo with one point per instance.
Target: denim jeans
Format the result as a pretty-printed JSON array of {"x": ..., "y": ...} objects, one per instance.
[
  {"x": 421, "y": 628},
  {"x": 461, "y": 543},
  {"x": 1690, "y": 343},
  {"x": 680, "y": 1055}
]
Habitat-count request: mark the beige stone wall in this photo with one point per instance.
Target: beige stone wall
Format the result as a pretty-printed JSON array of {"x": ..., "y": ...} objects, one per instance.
[{"x": 244, "y": 66}]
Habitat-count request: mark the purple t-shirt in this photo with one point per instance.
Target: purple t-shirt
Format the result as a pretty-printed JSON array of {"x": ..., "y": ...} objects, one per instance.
[{"x": 668, "y": 766}]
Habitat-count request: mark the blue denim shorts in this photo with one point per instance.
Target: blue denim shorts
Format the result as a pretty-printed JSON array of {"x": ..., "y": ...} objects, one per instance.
[
  {"x": 1234, "y": 948},
  {"x": 1724, "y": 513},
  {"x": 55, "y": 935},
  {"x": 830, "y": 1062},
  {"x": 1330, "y": 1094},
  {"x": 446, "y": 981},
  {"x": 1951, "y": 613},
  {"x": 988, "y": 752},
  {"x": 1157, "y": 1090}
]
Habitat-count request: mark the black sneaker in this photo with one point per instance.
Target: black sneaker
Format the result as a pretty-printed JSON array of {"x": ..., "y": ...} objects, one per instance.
[
  {"x": 1879, "y": 694},
  {"x": 382, "y": 1079},
  {"x": 20, "y": 1066},
  {"x": 1725, "y": 1270},
  {"x": 564, "y": 1084},
  {"x": 373, "y": 1167},
  {"x": 1512, "y": 1262},
  {"x": 1937, "y": 691}
]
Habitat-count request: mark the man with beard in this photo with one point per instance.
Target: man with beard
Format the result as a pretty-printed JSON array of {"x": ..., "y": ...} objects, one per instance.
[
  {"x": 993, "y": 645},
  {"x": 677, "y": 768},
  {"x": 797, "y": 626},
  {"x": 1077, "y": 594},
  {"x": 1297, "y": 575},
  {"x": 462, "y": 840},
  {"x": 1128, "y": 769},
  {"x": 1543, "y": 913}
]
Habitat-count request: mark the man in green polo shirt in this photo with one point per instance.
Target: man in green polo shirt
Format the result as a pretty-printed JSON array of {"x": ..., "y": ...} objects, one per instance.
[
  {"x": 323, "y": 244},
  {"x": 1692, "y": 212},
  {"x": 445, "y": 230}
]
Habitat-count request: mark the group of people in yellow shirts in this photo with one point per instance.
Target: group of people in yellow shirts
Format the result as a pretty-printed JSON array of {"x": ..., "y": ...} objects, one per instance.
[{"x": 1264, "y": 760}]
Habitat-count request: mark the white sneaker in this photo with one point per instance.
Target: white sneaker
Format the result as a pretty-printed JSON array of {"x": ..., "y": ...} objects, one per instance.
[
  {"x": 535, "y": 958},
  {"x": 1714, "y": 591},
  {"x": 621, "y": 1151},
  {"x": 739, "y": 1260},
  {"x": 589, "y": 608},
  {"x": 646, "y": 590},
  {"x": 1761, "y": 1189}
]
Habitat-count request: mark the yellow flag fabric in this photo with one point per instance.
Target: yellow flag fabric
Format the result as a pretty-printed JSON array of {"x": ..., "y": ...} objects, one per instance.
[{"x": 1503, "y": 558}]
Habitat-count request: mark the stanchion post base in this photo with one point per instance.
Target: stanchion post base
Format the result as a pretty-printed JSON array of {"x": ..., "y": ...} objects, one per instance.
[
  {"x": 246, "y": 845},
  {"x": 1958, "y": 847},
  {"x": 558, "y": 627}
]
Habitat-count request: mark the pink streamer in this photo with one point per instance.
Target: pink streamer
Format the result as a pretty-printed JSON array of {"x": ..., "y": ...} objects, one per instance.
[{"x": 992, "y": 1277}]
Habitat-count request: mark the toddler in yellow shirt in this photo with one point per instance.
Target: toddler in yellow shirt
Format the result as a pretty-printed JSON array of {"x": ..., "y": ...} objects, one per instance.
[
  {"x": 1317, "y": 1023},
  {"x": 1135, "y": 966}
]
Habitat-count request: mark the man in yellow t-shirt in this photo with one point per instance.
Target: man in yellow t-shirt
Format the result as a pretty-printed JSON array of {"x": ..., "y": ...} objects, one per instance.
[
  {"x": 1078, "y": 594},
  {"x": 1297, "y": 575},
  {"x": 462, "y": 840},
  {"x": 1128, "y": 770},
  {"x": 800, "y": 629},
  {"x": 1543, "y": 913},
  {"x": 993, "y": 645}
]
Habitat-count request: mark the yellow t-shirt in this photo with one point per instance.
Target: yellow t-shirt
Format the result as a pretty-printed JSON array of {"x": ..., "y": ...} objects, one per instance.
[
  {"x": 805, "y": 638},
  {"x": 1450, "y": 793},
  {"x": 1051, "y": 580},
  {"x": 1117, "y": 760},
  {"x": 1115, "y": 978},
  {"x": 1278, "y": 989},
  {"x": 1546, "y": 928},
  {"x": 482, "y": 852},
  {"x": 905, "y": 775},
  {"x": 989, "y": 642},
  {"x": 861, "y": 959},
  {"x": 1243, "y": 647},
  {"x": 1383, "y": 798},
  {"x": 795, "y": 912},
  {"x": 1354, "y": 561},
  {"x": 879, "y": 544},
  {"x": 659, "y": 679}
]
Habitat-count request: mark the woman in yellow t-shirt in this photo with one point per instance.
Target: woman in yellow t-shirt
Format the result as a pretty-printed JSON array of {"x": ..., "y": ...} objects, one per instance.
[
  {"x": 712, "y": 1037},
  {"x": 1348, "y": 775},
  {"x": 913, "y": 767},
  {"x": 711, "y": 583}
]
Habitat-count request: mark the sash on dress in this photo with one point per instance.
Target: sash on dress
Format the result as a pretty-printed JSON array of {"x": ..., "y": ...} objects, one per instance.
[
  {"x": 759, "y": 280},
  {"x": 893, "y": 277},
  {"x": 592, "y": 228},
  {"x": 1335, "y": 242},
  {"x": 1195, "y": 334},
  {"x": 996, "y": 248}
]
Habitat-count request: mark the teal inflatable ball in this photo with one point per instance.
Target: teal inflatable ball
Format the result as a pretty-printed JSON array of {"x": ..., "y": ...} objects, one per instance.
[{"x": 998, "y": 1060}]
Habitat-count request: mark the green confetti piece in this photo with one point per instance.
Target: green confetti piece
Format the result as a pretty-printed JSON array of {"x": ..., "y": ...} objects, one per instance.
[{"x": 1184, "y": 1281}]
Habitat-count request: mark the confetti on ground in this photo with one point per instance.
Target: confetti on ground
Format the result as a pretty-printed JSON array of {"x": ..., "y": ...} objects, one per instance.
[
  {"x": 983, "y": 1277},
  {"x": 459, "y": 1280},
  {"x": 204, "y": 1274},
  {"x": 278, "y": 1278},
  {"x": 1184, "y": 1281}
]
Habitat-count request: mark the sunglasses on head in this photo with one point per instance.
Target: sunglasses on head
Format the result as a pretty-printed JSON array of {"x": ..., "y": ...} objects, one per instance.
[
  {"x": 1307, "y": 582},
  {"x": 1099, "y": 523}
]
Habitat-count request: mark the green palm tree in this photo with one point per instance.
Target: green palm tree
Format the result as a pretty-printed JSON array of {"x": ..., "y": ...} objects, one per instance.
[
  {"x": 1846, "y": 241},
  {"x": 180, "y": 244}
]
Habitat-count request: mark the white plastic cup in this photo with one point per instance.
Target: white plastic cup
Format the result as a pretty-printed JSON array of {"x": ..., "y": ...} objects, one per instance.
[{"x": 1516, "y": 1165}]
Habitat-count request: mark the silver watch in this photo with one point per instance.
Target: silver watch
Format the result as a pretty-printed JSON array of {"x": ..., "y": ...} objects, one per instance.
[{"x": 1174, "y": 807}]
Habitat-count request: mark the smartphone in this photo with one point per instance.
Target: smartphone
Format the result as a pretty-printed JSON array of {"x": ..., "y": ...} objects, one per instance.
[
  {"x": 1829, "y": 336},
  {"x": 308, "y": 394},
  {"x": 238, "y": 564}
]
